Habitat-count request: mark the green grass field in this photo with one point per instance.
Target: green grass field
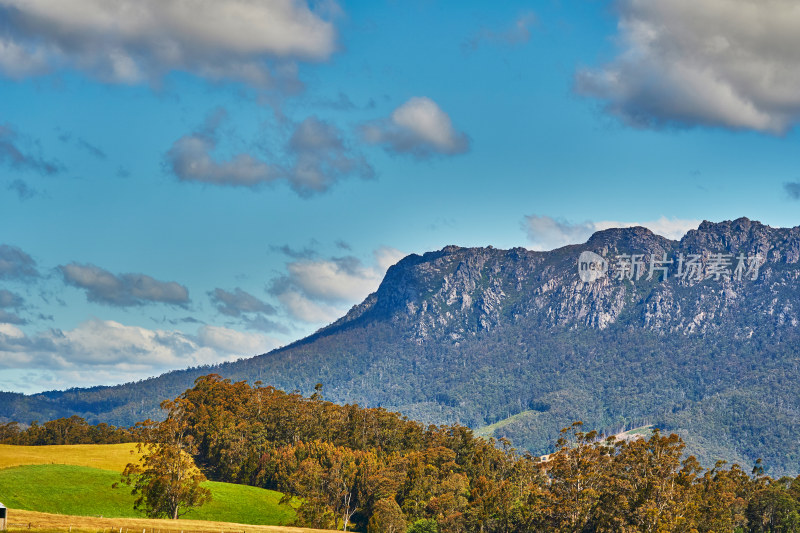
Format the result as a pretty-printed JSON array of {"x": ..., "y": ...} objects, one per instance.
[
  {"x": 76, "y": 480},
  {"x": 84, "y": 491}
]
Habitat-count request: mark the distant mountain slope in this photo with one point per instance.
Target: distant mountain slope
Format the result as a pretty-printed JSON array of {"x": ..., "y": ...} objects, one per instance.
[{"x": 476, "y": 335}]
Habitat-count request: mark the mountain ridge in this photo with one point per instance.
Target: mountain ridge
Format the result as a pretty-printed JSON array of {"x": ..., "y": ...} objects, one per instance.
[{"x": 476, "y": 335}]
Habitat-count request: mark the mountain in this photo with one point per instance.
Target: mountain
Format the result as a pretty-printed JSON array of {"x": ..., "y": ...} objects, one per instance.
[{"x": 531, "y": 342}]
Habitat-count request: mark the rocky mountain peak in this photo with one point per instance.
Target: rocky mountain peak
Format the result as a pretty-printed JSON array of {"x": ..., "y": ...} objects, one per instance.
[
  {"x": 624, "y": 240},
  {"x": 458, "y": 292}
]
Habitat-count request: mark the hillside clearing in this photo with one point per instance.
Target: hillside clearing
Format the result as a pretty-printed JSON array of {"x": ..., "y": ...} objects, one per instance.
[{"x": 488, "y": 431}]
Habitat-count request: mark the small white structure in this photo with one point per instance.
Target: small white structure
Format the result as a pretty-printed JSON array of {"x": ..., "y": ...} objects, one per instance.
[{"x": 3, "y": 517}]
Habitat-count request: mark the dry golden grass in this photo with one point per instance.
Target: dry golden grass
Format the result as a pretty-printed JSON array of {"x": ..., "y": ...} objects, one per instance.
[
  {"x": 103, "y": 456},
  {"x": 23, "y": 519}
]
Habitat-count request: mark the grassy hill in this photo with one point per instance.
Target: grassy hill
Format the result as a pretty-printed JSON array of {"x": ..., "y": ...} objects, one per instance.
[
  {"x": 32, "y": 479},
  {"x": 103, "y": 456}
]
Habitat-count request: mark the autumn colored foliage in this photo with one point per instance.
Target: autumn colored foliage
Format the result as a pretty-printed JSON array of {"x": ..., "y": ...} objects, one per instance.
[
  {"x": 165, "y": 480},
  {"x": 372, "y": 470}
]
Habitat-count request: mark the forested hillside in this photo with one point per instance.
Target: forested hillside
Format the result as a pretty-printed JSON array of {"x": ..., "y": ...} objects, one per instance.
[
  {"x": 473, "y": 336},
  {"x": 383, "y": 473}
]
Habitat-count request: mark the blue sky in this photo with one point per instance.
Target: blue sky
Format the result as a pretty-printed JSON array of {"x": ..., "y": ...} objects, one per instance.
[{"x": 184, "y": 183}]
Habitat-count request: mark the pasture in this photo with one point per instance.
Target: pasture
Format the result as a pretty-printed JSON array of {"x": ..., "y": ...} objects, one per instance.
[{"x": 77, "y": 481}]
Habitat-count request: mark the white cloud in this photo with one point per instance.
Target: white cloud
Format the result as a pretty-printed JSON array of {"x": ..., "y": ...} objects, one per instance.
[
  {"x": 321, "y": 158},
  {"x": 320, "y": 291},
  {"x": 11, "y": 332},
  {"x": 190, "y": 159},
  {"x": 16, "y": 264},
  {"x": 105, "y": 351},
  {"x": 105, "y": 342},
  {"x": 334, "y": 280},
  {"x": 238, "y": 302},
  {"x": 303, "y": 308},
  {"x": 724, "y": 63},
  {"x": 386, "y": 256},
  {"x": 318, "y": 157},
  {"x": 130, "y": 41},
  {"x": 232, "y": 342},
  {"x": 418, "y": 127},
  {"x": 122, "y": 290},
  {"x": 9, "y": 300},
  {"x": 547, "y": 233}
]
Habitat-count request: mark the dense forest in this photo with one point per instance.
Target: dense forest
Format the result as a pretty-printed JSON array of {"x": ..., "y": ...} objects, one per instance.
[
  {"x": 384, "y": 473},
  {"x": 736, "y": 401}
]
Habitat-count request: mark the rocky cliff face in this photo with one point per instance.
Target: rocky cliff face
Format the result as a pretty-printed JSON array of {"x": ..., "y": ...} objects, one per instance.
[{"x": 458, "y": 292}]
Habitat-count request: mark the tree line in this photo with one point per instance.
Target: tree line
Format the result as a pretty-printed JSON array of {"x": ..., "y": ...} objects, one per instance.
[
  {"x": 371, "y": 470},
  {"x": 380, "y": 472},
  {"x": 71, "y": 430}
]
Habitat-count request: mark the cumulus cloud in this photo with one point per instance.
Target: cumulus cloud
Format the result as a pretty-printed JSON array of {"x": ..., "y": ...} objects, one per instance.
[
  {"x": 317, "y": 158},
  {"x": 419, "y": 128},
  {"x": 338, "y": 279},
  {"x": 318, "y": 291},
  {"x": 548, "y": 233},
  {"x": 262, "y": 323},
  {"x": 190, "y": 159},
  {"x": 124, "y": 41},
  {"x": 11, "y": 318},
  {"x": 321, "y": 158},
  {"x": 229, "y": 341},
  {"x": 518, "y": 33},
  {"x": 725, "y": 63},
  {"x": 107, "y": 351},
  {"x": 9, "y": 300},
  {"x": 122, "y": 290},
  {"x": 792, "y": 189},
  {"x": 14, "y": 154},
  {"x": 16, "y": 264},
  {"x": 303, "y": 308},
  {"x": 238, "y": 302},
  {"x": 386, "y": 256}
]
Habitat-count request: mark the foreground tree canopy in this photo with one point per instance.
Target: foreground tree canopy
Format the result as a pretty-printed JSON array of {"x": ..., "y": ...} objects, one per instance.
[
  {"x": 166, "y": 480},
  {"x": 379, "y": 472}
]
